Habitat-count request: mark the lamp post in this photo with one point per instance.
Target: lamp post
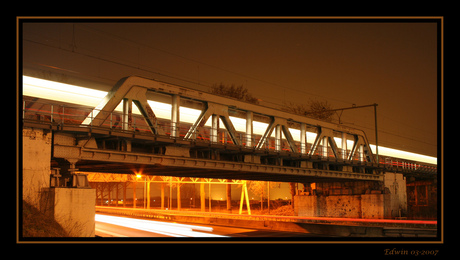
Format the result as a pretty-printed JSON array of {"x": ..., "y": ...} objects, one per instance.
[{"x": 375, "y": 118}]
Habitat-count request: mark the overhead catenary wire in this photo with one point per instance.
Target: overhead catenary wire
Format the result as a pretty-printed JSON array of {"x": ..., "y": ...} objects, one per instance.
[{"x": 80, "y": 50}]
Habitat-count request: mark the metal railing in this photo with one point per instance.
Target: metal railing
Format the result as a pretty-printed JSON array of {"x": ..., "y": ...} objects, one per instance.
[{"x": 65, "y": 115}]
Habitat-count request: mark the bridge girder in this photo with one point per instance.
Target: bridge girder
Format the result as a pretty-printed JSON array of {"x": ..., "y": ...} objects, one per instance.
[
  {"x": 177, "y": 162},
  {"x": 135, "y": 89}
]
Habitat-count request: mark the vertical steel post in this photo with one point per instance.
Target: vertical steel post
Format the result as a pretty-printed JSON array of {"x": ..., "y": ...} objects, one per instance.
[
  {"x": 303, "y": 138},
  {"x": 170, "y": 193},
  {"x": 344, "y": 145},
  {"x": 268, "y": 196},
  {"x": 179, "y": 204},
  {"x": 52, "y": 112},
  {"x": 249, "y": 128},
  {"x": 324, "y": 146},
  {"x": 361, "y": 153},
  {"x": 116, "y": 194},
  {"x": 148, "y": 194},
  {"x": 376, "y": 135},
  {"x": 209, "y": 196},
  {"x": 134, "y": 193},
  {"x": 163, "y": 195},
  {"x": 175, "y": 109},
  {"x": 109, "y": 193},
  {"x": 124, "y": 194},
  {"x": 202, "y": 196},
  {"x": 278, "y": 138},
  {"x": 229, "y": 196},
  {"x": 214, "y": 129},
  {"x": 127, "y": 113}
]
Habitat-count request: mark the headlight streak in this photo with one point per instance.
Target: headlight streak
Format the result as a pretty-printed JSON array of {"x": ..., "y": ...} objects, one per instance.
[{"x": 158, "y": 227}]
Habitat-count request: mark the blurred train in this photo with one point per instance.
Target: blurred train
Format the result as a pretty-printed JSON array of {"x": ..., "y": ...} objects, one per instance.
[{"x": 59, "y": 103}]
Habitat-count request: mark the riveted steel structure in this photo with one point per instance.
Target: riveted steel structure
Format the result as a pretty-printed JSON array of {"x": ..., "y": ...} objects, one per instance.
[{"x": 101, "y": 139}]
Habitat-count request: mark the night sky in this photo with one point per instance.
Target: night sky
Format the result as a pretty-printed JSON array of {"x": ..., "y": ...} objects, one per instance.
[{"x": 390, "y": 63}]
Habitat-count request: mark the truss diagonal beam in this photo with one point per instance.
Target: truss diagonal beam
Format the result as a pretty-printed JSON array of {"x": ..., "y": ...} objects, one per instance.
[
  {"x": 124, "y": 91},
  {"x": 216, "y": 110},
  {"x": 281, "y": 124}
]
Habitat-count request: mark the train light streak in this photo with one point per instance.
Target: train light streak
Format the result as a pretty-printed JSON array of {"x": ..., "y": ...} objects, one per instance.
[
  {"x": 164, "y": 228},
  {"x": 59, "y": 91},
  {"x": 405, "y": 155},
  {"x": 52, "y": 90}
]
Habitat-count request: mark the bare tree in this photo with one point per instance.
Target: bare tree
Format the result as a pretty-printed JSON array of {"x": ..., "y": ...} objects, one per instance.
[
  {"x": 259, "y": 188},
  {"x": 313, "y": 108},
  {"x": 233, "y": 91}
]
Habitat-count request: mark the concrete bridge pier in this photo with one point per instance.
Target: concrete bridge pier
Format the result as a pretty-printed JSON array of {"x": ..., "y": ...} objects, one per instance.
[
  {"x": 58, "y": 192},
  {"x": 354, "y": 199}
]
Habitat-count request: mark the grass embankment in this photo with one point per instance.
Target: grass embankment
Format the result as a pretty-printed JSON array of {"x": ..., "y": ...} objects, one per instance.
[{"x": 37, "y": 224}]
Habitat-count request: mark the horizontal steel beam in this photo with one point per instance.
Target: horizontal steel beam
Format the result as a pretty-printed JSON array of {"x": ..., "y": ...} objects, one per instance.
[{"x": 210, "y": 167}]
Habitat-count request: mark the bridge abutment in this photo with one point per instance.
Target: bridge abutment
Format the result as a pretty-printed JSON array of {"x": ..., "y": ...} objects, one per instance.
[
  {"x": 71, "y": 202},
  {"x": 36, "y": 158},
  {"x": 73, "y": 208}
]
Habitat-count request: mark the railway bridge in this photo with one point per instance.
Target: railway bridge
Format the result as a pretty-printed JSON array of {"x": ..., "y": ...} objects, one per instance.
[{"x": 176, "y": 131}]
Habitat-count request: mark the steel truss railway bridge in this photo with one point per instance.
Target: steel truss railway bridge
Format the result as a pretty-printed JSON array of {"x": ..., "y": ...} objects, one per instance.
[{"x": 104, "y": 139}]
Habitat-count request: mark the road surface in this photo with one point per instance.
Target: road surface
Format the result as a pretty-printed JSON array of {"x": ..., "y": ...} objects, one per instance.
[{"x": 117, "y": 226}]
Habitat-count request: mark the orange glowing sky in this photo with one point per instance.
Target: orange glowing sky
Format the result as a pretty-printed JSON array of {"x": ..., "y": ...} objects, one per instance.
[{"x": 392, "y": 63}]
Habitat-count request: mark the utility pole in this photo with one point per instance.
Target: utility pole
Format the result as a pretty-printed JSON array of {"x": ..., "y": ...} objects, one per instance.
[{"x": 375, "y": 118}]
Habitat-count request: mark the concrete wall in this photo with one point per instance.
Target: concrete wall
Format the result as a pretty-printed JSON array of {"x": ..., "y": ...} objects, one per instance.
[
  {"x": 369, "y": 200},
  {"x": 36, "y": 157},
  {"x": 343, "y": 206},
  {"x": 72, "y": 208},
  {"x": 396, "y": 199},
  {"x": 372, "y": 205}
]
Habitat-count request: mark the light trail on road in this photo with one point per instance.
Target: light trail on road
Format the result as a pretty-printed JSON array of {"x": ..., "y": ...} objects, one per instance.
[{"x": 159, "y": 227}]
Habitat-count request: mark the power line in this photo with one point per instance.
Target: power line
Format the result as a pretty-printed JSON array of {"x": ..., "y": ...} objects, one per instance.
[
  {"x": 198, "y": 82},
  {"x": 209, "y": 65}
]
